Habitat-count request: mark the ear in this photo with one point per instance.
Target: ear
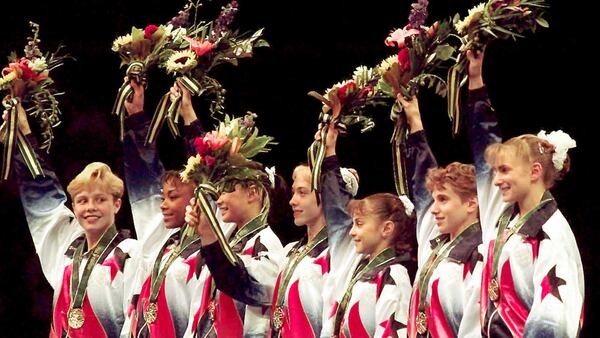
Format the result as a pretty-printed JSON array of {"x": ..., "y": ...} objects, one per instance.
[
  {"x": 252, "y": 193},
  {"x": 472, "y": 205},
  {"x": 117, "y": 203},
  {"x": 537, "y": 171},
  {"x": 388, "y": 229}
]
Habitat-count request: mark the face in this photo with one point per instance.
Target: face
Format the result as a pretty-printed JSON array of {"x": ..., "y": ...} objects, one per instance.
[
  {"x": 175, "y": 197},
  {"x": 304, "y": 201},
  {"x": 450, "y": 212},
  {"x": 369, "y": 233},
  {"x": 234, "y": 205},
  {"x": 513, "y": 176},
  {"x": 95, "y": 209}
]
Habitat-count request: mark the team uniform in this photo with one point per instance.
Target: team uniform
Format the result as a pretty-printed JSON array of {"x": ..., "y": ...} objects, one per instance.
[
  {"x": 362, "y": 297},
  {"x": 532, "y": 280},
  {"x": 445, "y": 299},
  {"x": 89, "y": 285}
]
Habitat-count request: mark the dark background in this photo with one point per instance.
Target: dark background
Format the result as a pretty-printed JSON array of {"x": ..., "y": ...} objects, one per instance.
[{"x": 535, "y": 83}]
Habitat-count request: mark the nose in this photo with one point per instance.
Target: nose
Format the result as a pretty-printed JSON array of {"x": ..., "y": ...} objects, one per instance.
[
  {"x": 497, "y": 179},
  {"x": 90, "y": 205},
  {"x": 293, "y": 200},
  {"x": 435, "y": 208},
  {"x": 163, "y": 204},
  {"x": 353, "y": 231}
]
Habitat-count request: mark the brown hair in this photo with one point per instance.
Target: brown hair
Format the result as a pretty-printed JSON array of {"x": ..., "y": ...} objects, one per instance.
[
  {"x": 459, "y": 176},
  {"x": 531, "y": 149},
  {"x": 386, "y": 207},
  {"x": 97, "y": 173}
]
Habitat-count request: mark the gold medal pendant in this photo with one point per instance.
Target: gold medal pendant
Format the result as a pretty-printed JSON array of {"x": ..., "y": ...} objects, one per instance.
[
  {"x": 75, "y": 318},
  {"x": 151, "y": 313},
  {"x": 421, "y": 323},
  {"x": 493, "y": 290},
  {"x": 212, "y": 308},
  {"x": 278, "y": 317}
]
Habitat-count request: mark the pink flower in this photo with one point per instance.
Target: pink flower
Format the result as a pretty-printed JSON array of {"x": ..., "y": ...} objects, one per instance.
[
  {"x": 214, "y": 140},
  {"x": 404, "y": 60},
  {"x": 398, "y": 37},
  {"x": 200, "y": 47},
  {"x": 149, "y": 30},
  {"x": 209, "y": 160},
  {"x": 345, "y": 90}
]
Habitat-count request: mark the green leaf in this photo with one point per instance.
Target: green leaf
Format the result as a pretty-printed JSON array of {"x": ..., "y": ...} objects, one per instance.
[
  {"x": 444, "y": 52},
  {"x": 542, "y": 22}
]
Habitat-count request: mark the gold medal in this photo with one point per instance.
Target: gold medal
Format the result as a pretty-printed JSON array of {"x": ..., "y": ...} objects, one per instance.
[
  {"x": 493, "y": 290},
  {"x": 278, "y": 317},
  {"x": 151, "y": 312},
  {"x": 75, "y": 318},
  {"x": 211, "y": 310},
  {"x": 421, "y": 323}
]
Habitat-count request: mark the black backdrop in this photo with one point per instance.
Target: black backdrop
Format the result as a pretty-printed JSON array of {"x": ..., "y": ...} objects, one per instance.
[{"x": 535, "y": 83}]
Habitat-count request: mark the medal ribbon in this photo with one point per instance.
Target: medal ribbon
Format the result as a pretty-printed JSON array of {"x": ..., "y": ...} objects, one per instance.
[
  {"x": 78, "y": 287},
  {"x": 384, "y": 257}
]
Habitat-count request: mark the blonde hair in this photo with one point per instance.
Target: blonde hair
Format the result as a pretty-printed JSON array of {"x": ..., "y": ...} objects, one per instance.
[
  {"x": 530, "y": 149},
  {"x": 97, "y": 173},
  {"x": 459, "y": 176}
]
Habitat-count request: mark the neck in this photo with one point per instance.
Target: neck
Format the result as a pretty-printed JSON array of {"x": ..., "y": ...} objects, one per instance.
[
  {"x": 92, "y": 238},
  {"x": 471, "y": 219},
  {"x": 313, "y": 229},
  {"x": 247, "y": 218},
  {"x": 532, "y": 199},
  {"x": 379, "y": 249}
]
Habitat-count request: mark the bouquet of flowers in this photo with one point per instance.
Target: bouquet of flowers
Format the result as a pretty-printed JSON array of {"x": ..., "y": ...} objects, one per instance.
[
  {"x": 138, "y": 50},
  {"x": 27, "y": 81},
  {"x": 421, "y": 51},
  {"x": 204, "y": 46},
  {"x": 495, "y": 19},
  {"x": 343, "y": 105},
  {"x": 224, "y": 160}
]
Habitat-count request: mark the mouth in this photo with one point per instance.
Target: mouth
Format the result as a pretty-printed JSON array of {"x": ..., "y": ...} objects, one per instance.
[
  {"x": 297, "y": 213},
  {"x": 91, "y": 218}
]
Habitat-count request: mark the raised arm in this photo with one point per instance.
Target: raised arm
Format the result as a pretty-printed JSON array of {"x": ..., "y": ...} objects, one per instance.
[
  {"x": 483, "y": 130},
  {"x": 419, "y": 157},
  {"x": 52, "y": 225}
]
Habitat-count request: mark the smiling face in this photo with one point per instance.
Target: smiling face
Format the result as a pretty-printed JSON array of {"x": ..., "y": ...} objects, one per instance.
[
  {"x": 175, "y": 197},
  {"x": 304, "y": 201},
  {"x": 513, "y": 176},
  {"x": 451, "y": 213},
  {"x": 95, "y": 208},
  {"x": 370, "y": 232}
]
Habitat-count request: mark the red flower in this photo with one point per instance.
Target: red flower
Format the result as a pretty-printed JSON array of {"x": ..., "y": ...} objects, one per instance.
[
  {"x": 209, "y": 160},
  {"x": 200, "y": 47},
  {"x": 404, "y": 60},
  {"x": 201, "y": 147},
  {"x": 345, "y": 90},
  {"x": 149, "y": 30}
]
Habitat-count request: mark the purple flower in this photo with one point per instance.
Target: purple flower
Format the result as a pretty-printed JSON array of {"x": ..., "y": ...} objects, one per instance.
[
  {"x": 182, "y": 18},
  {"x": 418, "y": 14},
  {"x": 225, "y": 18}
]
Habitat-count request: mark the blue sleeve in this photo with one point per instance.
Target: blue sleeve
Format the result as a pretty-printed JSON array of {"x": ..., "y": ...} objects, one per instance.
[
  {"x": 143, "y": 168},
  {"x": 419, "y": 159},
  {"x": 335, "y": 200}
]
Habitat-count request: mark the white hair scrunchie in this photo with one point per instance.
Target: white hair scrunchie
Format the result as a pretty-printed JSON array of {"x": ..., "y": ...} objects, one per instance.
[
  {"x": 562, "y": 142},
  {"x": 271, "y": 172},
  {"x": 409, "y": 207},
  {"x": 350, "y": 180}
]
